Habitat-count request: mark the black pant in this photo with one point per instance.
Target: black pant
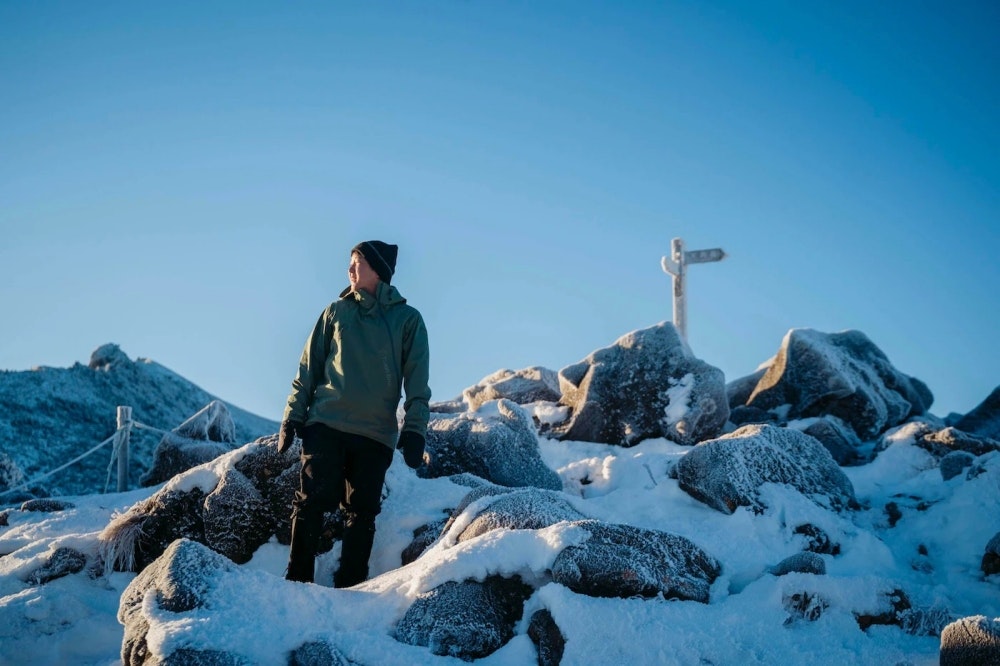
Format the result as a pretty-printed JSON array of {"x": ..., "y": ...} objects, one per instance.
[{"x": 345, "y": 470}]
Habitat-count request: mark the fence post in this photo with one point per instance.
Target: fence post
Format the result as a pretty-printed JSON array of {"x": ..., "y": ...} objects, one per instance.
[{"x": 124, "y": 431}]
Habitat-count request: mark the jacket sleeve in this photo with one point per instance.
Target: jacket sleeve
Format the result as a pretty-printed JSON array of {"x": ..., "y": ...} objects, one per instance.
[
  {"x": 416, "y": 376},
  {"x": 311, "y": 369}
]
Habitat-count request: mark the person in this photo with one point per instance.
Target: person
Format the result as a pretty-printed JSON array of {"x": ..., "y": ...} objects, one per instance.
[{"x": 366, "y": 346}]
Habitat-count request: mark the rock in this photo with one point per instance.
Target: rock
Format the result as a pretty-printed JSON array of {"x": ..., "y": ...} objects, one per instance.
[
  {"x": 181, "y": 578},
  {"x": 743, "y": 415},
  {"x": 969, "y": 641},
  {"x": 727, "y": 472},
  {"x": 984, "y": 419},
  {"x": 891, "y": 604},
  {"x": 549, "y": 641},
  {"x": 838, "y": 438},
  {"x": 423, "y": 537},
  {"x": 803, "y": 607},
  {"x": 498, "y": 444},
  {"x": 625, "y": 561},
  {"x": 647, "y": 384},
  {"x": 205, "y": 436},
  {"x": 63, "y": 562},
  {"x": 955, "y": 463},
  {"x": 839, "y": 374},
  {"x": 106, "y": 356},
  {"x": 237, "y": 519},
  {"x": 739, "y": 390},
  {"x": 513, "y": 509},
  {"x": 991, "y": 558},
  {"x": 947, "y": 440},
  {"x": 817, "y": 541},
  {"x": 46, "y": 505},
  {"x": 317, "y": 653},
  {"x": 806, "y": 562},
  {"x": 525, "y": 386}
]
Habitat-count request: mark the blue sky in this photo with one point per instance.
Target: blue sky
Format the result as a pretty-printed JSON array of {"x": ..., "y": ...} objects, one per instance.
[{"x": 187, "y": 179}]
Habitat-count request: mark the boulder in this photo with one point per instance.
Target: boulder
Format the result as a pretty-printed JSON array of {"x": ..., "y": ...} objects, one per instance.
[
  {"x": 317, "y": 653},
  {"x": 46, "y": 505},
  {"x": 971, "y": 640},
  {"x": 838, "y": 438},
  {"x": 991, "y": 558},
  {"x": 181, "y": 578},
  {"x": 839, "y": 374},
  {"x": 497, "y": 443},
  {"x": 954, "y": 464},
  {"x": 942, "y": 442},
  {"x": 548, "y": 639},
  {"x": 727, "y": 472},
  {"x": 739, "y": 390},
  {"x": 468, "y": 620},
  {"x": 512, "y": 509},
  {"x": 237, "y": 519},
  {"x": 805, "y": 562},
  {"x": 203, "y": 437},
  {"x": 63, "y": 562},
  {"x": 647, "y": 384},
  {"x": 625, "y": 561},
  {"x": 525, "y": 386},
  {"x": 984, "y": 419}
]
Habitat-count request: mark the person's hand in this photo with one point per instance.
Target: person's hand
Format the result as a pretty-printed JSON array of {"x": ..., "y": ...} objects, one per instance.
[
  {"x": 289, "y": 429},
  {"x": 412, "y": 446}
]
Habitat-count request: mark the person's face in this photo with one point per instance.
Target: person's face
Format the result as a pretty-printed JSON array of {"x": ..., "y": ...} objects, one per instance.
[{"x": 362, "y": 275}]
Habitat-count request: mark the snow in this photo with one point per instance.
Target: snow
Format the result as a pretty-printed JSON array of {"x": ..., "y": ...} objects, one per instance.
[{"x": 255, "y": 613}]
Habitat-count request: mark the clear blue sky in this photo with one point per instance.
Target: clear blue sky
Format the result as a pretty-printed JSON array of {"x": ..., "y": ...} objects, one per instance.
[{"x": 186, "y": 179}]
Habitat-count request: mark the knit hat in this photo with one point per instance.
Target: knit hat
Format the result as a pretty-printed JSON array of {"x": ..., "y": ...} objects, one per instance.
[{"x": 380, "y": 256}]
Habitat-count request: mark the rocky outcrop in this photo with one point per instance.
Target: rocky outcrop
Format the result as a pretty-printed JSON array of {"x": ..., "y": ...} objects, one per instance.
[
  {"x": 498, "y": 443},
  {"x": 523, "y": 387},
  {"x": 647, "y": 384},
  {"x": 984, "y": 419},
  {"x": 205, "y": 436},
  {"x": 843, "y": 375},
  {"x": 727, "y": 472},
  {"x": 971, "y": 640}
]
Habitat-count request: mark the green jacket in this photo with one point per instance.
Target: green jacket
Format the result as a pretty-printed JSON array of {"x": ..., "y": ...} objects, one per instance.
[{"x": 361, "y": 352}]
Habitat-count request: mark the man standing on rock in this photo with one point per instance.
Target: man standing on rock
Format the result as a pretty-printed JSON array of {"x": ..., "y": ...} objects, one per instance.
[{"x": 367, "y": 346}]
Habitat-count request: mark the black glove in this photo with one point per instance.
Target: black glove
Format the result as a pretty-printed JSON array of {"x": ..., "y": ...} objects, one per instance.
[
  {"x": 289, "y": 429},
  {"x": 412, "y": 446}
]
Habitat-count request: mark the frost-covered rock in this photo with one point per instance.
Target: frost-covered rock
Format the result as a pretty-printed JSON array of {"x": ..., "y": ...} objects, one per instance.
[
  {"x": 180, "y": 578},
  {"x": 984, "y": 419},
  {"x": 63, "y": 562},
  {"x": 625, "y": 561},
  {"x": 947, "y": 440},
  {"x": 647, "y": 384},
  {"x": 805, "y": 562},
  {"x": 497, "y": 443},
  {"x": 955, "y": 463},
  {"x": 237, "y": 519},
  {"x": 739, "y": 390},
  {"x": 524, "y": 386},
  {"x": 468, "y": 620},
  {"x": 727, "y": 472},
  {"x": 46, "y": 505},
  {"x": 839, "y": 374},
  {"x": 971, "y": 640},
  {"x": 512, "y": 509},
  {"x": 205, "y": 436},
  {"x": 317, "y": 653}
]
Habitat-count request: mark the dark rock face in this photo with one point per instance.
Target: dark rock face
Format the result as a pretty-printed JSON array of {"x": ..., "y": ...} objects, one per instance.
[
  {"x": 843, "y": 375},
  {"x": 181, "y": 578},
  {"x": 500, "y": 447},
  {"x": 971, "y": 640},
  {"x": 63, "y": 562},
  {"x": 46, "y": 505},
  {"x": 468, "y": 620},
  {"x": 940, "y": 443},
  {"x": 728, "y": 472},
  {"x": 984, "y": 420},
  {"x": 805, "y": 562},
  {"x": 423, "y": 537},
  {"x": 991, "y": 558},
  {"x": 549, "y": 641},
  {"x": 237, "y": 519},
  {"x": 521, "y": 386},
  {"x": 625, "y": 561},
  {"x": 203, "y": 437},
  {"x": 817, "y": 541},
  {"x": 648, "y": 384},
  {"x": 838, "y": 438}
]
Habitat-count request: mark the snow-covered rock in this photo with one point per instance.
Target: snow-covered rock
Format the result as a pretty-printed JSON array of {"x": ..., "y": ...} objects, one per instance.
[
  {"x": 204, "y": 436},
  {"x": 498, "y": 443},
  {"x": 647, "y": 384},
  {"x": 728, "y": 472},
  {"x": 839, "y": 374},
  {"x": 971, "y": 641},
  {"x": 523, "y": 386},
  {"x": 984, "y": 419}
]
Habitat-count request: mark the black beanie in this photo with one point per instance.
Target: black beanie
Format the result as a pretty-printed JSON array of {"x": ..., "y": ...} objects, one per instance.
[{"x": 380, "y": 256}]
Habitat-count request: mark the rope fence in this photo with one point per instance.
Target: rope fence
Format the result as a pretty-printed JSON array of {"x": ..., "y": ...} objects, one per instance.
[{"x": 119, "y": 453}]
